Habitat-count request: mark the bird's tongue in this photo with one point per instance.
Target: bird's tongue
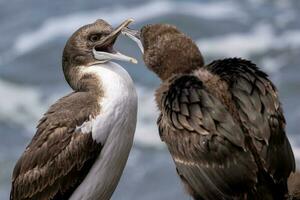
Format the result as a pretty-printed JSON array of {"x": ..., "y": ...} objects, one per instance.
[
  {"x": 105, "y": 51},
  {"x": 134, "y": 35},
  {"x": 108, "y": 53}
]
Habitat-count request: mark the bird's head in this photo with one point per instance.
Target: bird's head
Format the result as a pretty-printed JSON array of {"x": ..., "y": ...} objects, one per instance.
[
  {"x": 166, "y": 50},
  {"x": 92, "y": 44}
]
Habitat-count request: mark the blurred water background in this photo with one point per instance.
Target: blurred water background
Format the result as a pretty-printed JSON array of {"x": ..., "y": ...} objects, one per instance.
[{"x": 33, "y": 34}]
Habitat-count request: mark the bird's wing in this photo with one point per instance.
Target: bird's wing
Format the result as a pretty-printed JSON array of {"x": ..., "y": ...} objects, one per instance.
[
  {"x": 257, "y": 102},
  {"x": 206, "y": 143},
  {"x": 59, "y": 155}
]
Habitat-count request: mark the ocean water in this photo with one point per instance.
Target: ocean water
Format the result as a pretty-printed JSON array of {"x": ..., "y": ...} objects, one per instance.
[{"x": 33, "y": 34}]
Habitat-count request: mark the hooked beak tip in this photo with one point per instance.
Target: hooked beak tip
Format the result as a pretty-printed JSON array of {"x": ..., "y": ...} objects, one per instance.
[
  {"x": 134, "y": 61},
  {"x": 111, "y": 38},
  {"x": 130, "y": 20},
  {"x": 133, "y": 35}
]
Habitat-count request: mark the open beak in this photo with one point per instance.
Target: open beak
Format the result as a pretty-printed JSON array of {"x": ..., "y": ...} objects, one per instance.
[
  {"x": 134, "y": 35},
  {"x": 103, "y": 50}
]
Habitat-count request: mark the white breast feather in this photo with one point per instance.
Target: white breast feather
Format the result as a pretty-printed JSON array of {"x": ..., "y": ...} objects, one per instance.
[{"x": 114, "y": 127}]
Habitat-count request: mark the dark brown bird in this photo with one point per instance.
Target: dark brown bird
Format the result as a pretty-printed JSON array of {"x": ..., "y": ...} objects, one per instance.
[
  {"x": 82, "y": 143},
  {"x": 222, "y": 122}
]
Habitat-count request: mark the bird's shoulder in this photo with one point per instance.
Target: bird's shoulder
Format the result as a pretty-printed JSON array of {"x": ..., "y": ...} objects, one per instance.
[
  {"x": 197, "y": 102},
  {"x": 57, "y": 151}
]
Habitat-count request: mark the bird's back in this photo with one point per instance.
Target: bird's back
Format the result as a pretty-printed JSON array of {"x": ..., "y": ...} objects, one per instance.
[
  {"x": 259, "y": 113},
  {"x": 224, "y": 127}
]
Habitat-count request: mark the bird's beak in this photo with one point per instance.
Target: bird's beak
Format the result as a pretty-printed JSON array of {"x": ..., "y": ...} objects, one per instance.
[
  {"x": 103, "y": 50},
  {"x": 134, "y": 35}
]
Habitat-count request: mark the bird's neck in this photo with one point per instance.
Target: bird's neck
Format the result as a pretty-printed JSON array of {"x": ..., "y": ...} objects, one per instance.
[
  {"x": 171, "y": 67},
  {"x": 110, "y": 75},
  {"x": 85, "y": 78},
  {"x": 107, "y": 76}
]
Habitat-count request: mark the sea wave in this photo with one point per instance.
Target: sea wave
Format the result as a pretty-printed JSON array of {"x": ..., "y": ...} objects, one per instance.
[
  {"x": 260, "y": 39},
  {"x": 273, "y": 65},
  {"x": 65, "y": 25},
  {"x": 146, "y": 131},
  {"x": 296, "y": 151},
  {"x": 296, "y": 148},
  {"x": 20, "y": 105}
]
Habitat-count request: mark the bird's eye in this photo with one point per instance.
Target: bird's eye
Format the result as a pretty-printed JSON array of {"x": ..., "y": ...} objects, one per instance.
[{"x": 94, "y": 38}]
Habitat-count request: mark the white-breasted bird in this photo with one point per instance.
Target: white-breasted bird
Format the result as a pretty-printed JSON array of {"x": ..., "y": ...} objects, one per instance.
[{"x": 83, "y": 141}]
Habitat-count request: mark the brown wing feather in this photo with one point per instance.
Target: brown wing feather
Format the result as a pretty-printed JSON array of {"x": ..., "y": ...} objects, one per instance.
[
  {"x": 58, "y": 157},
  {"x": 206, "y": 143},
  {"x": 260, "y": 111}
]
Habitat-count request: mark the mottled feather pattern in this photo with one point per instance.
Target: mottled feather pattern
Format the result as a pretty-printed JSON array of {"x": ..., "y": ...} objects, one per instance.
[
  {"x": 206, "y": 130},
  {"x": 57, "y": 158},
  {"x": 205, "y": 141},
  {"x": 256, "y": 99}
]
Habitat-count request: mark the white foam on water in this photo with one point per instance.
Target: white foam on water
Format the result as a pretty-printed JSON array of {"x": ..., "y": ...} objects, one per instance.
[
  {"x": 257, "y": 40},
  {"x": 21, "y": 105},
  {"x": 290, "y": 38},
  {"x": 147, "y": 131},
  {"x": 65, "y": 25},
  {"x": 260, "y": 39},
  {"x": 272, "y": 65},
  {"x": 212, "y": 10},
  {"x": 296, "y": 151},
  {"x": 296, "y": 148}
]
